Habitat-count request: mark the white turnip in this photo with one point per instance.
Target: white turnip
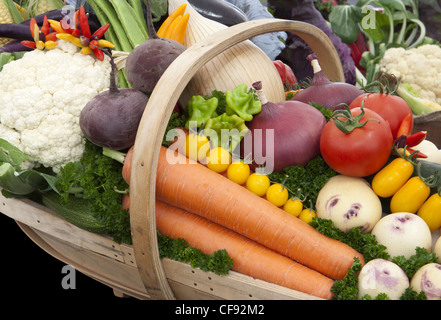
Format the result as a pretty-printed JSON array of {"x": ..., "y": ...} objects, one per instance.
[
  {"x": 382, "y": 276},
  {"x": 428, "y": 279},
  {"x": 349, "y": 202},
  {"x": 401, "y": 233}
]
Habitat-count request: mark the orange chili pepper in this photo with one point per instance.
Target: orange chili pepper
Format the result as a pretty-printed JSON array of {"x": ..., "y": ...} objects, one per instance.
[{"x": 405, "y": 126}]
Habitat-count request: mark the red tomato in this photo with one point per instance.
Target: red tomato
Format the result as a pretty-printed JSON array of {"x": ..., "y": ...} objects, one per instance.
[
  {"x": 285, "y": 72},
  {"x": 361, "y": 152},
  {"x": 391, "y": 108}
]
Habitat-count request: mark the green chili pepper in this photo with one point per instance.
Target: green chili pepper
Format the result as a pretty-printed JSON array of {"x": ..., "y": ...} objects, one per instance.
[
  {"x": 242, "y": 103},
  {"x": 225, "y": 131},
  {"x": 200, "y": 110}
]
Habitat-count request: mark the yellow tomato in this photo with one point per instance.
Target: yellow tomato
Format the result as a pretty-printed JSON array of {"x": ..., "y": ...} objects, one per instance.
[
  {"x": 238, "y": 172},
  {"x": 277, "y": 194},
  {"x": 293, "y": 206},
  {"x": 307, "y": 214},
  {"x": 430, "y": 212},
  {"x": 218, "y": 159},
  {"x": 258, "y": 183},
  {"x": 196, "y": 146}
]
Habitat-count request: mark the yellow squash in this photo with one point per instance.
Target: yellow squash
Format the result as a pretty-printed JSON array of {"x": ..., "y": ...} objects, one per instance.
[
  {"x": 430, "y": 212},
  {"x": 392, "y": 177},
  {"x": 410, "y": 197}
]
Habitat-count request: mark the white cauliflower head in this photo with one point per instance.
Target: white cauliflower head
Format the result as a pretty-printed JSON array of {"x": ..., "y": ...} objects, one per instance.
[
  {"x": 41, "y": 98},
  {"x": 420, "y": 67}
]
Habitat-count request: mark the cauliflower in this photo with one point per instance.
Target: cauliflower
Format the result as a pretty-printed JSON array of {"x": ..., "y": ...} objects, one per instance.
[
  {"x": 420, "y": 67},
  {"x": 41, "y": 98}
]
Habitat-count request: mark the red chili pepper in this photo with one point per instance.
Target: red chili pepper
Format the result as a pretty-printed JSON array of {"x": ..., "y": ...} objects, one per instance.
[
  {"x": 98, "y": 54},
  {"x": 45, "y": 26},
  {"x": 405, "y": 126},
  {"x": 84, "y": 23},
  {"x": 93, "y": 44},
  {"x": 416, "y": 138},
  {"x": 100, "y": 31},
  {"x": 76, "y": 32},
  {"x": 418, "y": 153},
  {"x": 29, "y": 44},
  {"x": 285, "y": 72}
]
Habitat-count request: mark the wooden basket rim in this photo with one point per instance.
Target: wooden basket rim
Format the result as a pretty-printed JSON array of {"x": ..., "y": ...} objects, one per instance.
[{"x": 155, "y": 119}]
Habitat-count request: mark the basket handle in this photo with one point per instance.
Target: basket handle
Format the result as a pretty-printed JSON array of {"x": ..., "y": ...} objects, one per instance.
[{"x": 155, "y": 119}]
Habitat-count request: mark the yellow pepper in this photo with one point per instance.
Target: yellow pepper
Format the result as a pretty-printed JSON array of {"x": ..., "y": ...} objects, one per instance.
[
  {"x": 175, "y": 26},
  {"x": 167, "y": 22},
  {"x": 410, "y": 196},
  {"x": 392, "y": 177},
  {"x": 430, "y": 212}
]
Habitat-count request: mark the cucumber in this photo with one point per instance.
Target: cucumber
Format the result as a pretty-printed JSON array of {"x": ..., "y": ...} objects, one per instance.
[{"x": 75, "y": 211}]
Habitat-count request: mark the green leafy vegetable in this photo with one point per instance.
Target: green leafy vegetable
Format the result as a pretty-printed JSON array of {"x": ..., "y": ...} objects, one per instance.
[
  {"x": 365, "y": 243},
  {"x": 178, "y": 249},
  {"x": 416, "y": 261},
  {"x": 98, "y": 178},
  {"x": 347, "y": 288},
  {"x": 307, "y": 180}
]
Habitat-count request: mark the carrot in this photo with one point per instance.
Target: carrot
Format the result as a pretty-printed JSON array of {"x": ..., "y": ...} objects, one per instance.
[
  {"x": 249, "y": 257},
  {"x": 198, "y": 190},
  {"x": 127, "y": 165}
]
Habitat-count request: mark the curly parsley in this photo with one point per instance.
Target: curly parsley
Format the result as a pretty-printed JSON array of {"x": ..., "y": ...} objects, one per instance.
[{"x": 98, "y": 178}]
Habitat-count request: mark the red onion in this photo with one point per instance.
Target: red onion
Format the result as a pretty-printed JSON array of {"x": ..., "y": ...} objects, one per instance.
[
  {"x": 293, "y": 140},
  {"x": 322, "y": 91}
]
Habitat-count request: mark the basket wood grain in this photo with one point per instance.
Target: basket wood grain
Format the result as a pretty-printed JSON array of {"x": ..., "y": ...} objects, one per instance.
[
  {"x": 137, "y": 270},
  {"x": 155, "y": 119}
]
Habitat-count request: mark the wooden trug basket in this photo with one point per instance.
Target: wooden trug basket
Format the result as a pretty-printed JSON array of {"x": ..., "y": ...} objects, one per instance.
[{"x": 137, "y": 270}]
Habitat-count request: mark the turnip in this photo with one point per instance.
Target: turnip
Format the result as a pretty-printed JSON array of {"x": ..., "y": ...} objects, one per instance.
[
  {"x": 147, "y": 62},
  {"x": 111, "y": 118},
  {"x": 430, "y": 150},
  {"x": 382, "y": 276},
  {"x": 401, "y": 233},
  {"x": 428, "y": 279},
  {"x": 349, "y": 202}
]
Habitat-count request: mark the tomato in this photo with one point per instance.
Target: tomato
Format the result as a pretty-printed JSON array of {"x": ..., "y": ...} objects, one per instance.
[
  {"x": 293, "y": 206},
  {"x": 258, "y": 183},
  {"x": 218, "y": 159},
  {"x": 391, "y": 108},
  {"x": 361, "y": 152},
  {"x": 307, "y": 214},
  {"x": 238, "y": 172},
  {"x": 277, "y": 194},
  {"x": 196, "y": 146}
]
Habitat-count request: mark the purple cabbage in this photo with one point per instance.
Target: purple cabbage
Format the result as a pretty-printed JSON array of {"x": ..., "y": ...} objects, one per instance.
[{"x": 297, "y": 50}]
